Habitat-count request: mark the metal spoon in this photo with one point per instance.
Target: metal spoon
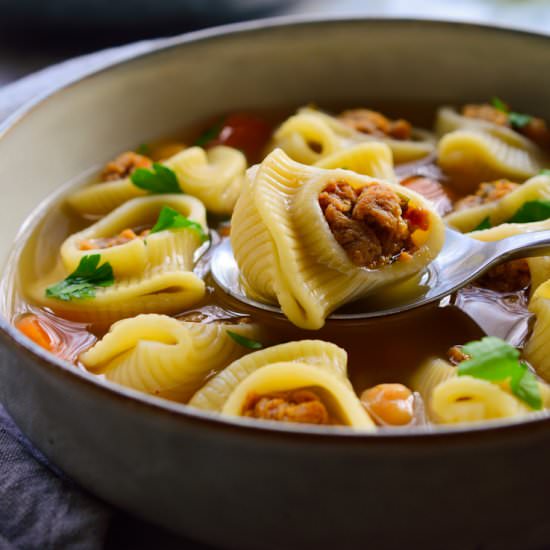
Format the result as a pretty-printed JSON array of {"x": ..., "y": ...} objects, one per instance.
[{"x": 461, "y": 260}]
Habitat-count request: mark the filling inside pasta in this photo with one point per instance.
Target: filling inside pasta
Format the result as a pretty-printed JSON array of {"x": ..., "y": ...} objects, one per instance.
[
  {"x": 124, "y": 166},
  {"x": 373, "y": 224},
  {"x": 376, "y": 124},
  {"x": 125, "y": 236},
  {"x": 531, "y": 127},
  {"x": 303, "y": 405}
]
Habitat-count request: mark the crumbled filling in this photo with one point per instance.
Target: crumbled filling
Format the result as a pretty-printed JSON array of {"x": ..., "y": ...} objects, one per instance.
[
  {"x": 302, "y": 405},
  {"x": 124, "y": 165},
  {"x": 373, "y": 224},
  {"x": 123, "y": 237},
  {"x": 511, "y": 276},
  {"x": 486, "y": 193},
  {"x": 456, "y": 355},
  {"x": 376, "y": 124},
  {"x": 535, "y": 129}
]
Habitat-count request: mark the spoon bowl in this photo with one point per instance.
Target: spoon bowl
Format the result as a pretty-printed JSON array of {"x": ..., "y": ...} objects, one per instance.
[{"x": 462, "y": 260}]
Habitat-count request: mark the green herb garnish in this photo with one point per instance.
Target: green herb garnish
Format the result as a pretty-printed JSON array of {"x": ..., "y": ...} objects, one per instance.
[
  {"x": 244, "y": 341},
  {"x": 498, "y": 104},
  {"x": 84, "y": 280},
  {"x": 158, "y": 179},
  {"x": 516, "y": 120},
  {"x": 545, "y": 172},
  {"x": 484, "y": 224},
  {"x": 210, "y": 134},
  {"x": 519, "y": 120},
  {"x": 495, "y": 360},
  {"x": 143, "y": 149},
  {"x": 172, "y": 219},
  {"x": 532, "y": 211}
]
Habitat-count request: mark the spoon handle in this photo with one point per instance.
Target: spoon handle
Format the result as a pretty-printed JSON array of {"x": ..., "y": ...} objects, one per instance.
[{"x": 523, "y": 245}]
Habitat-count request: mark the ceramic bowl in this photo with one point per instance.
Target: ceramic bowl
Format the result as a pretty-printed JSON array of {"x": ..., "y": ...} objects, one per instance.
[{"x": 232, "y": 483}]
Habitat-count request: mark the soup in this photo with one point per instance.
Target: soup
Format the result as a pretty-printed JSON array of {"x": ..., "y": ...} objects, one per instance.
[{"x": 325, "y": 212}]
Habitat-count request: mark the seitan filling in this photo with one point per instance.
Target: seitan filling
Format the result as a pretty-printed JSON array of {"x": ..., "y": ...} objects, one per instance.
[
  {"x": 486, "y": 193},
  {"x": 301, "y": 405},
  {"x": 373, "y": 224},
  {"x": 532, "y": 128},
  {"x": 123, "y": 237},
  {"x": 376, "y": 124},
  {"x": 124, "y": 165}
]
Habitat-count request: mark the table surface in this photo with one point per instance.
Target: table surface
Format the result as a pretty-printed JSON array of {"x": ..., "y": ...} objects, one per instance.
[{"x": 17, "y": 63}]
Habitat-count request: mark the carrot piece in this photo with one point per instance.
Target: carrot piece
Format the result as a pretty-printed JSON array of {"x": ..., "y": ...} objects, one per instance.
[{"x": 31, "y": 326}]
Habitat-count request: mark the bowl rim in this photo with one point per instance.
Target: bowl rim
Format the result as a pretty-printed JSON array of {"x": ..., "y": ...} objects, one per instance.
[{"x": 10, "y": 336}]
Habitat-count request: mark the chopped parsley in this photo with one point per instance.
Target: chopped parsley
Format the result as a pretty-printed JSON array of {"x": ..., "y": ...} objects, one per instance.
[
  {"x": 516, "y": 120},
  {"x": 158, "y": 179},
  {"x": 211, "y": 133},
  {"x": 84, "y": 280},
  {"x": 484, "y": 224},
  {"x": 244, "y": 341},
  {"x": 495, "y": 360},
  {"x": 532, "y": 211},
  {"x": 172, "y": 219}
]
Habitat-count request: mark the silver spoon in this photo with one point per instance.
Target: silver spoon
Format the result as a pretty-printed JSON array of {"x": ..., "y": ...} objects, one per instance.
[{"x": 461, "y": 261}]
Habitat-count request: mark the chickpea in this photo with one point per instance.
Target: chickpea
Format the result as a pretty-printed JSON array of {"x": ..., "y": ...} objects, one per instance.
[{"x": 389, "y": 404}]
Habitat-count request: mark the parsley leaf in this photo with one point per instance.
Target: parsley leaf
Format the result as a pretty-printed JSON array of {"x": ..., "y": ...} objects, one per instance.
[
  {"x": 519, "y": 120},
  {"x": 498, "y": 104},
  {"x": 84, "y": 280},
  {"x": 545, "y": 172},
  {"x": 516, "y": 120},
  {"x": 210, "y": 134},
  {"x": 159, "y": 179},
  {"x": 532, "y": 211},
  {"x": 484, "y": 224},
  {"x": 244, "y": 341},
  {"x": 172, "y": 219},
  {"x": 495, "y": 360}
]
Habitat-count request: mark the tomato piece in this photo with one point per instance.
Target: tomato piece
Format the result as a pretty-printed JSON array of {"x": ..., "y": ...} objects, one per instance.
[
  {"x": 246, "y": 132},
  {"x": 432, "y": 190},
  {"x": 32, "y": 327}
]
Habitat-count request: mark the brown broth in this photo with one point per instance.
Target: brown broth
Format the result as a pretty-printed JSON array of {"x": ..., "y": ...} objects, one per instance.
[{"x": 381, "y": 350}]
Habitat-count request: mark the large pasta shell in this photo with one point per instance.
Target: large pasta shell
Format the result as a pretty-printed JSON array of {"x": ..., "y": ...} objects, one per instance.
[
  {"x": 162, "y": 356},
  {"x": 287, "y": 253},
  {"x": 340, "y": 401},
  {"x": 213, "y": 176},
  {"x": 312, "y": 135},
  {"x": 216, "y": 391}
]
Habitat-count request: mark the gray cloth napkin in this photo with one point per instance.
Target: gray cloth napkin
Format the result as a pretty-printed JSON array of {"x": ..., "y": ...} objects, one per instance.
[{"x": 39, "y": 507}]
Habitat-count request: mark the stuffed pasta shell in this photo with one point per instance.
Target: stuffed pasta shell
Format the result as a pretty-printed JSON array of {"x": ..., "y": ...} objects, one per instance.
[
  {"x": 304, "y": 382},
  {"x": 162, "y": 356},
  {"x": 312, "y": 240},
  {"x": 537, "y": 350},
  {"x": 214, "y": 176},
  {"x": 148, "y": 246},
  {"x": 481, "y": 144},
  {"x": 311, "y": 135}
]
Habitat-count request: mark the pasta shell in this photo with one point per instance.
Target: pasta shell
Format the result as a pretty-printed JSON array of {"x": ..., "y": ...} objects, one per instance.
[
  {"x": 537, "y": 350},
  {"x": 371, "y": 159},
  {"x": 311, "y": 135},
  {"x": 213, "y": 395},
  {"x": 464, "y": 399},
  {"x": 473, "y": 156},
  {"x": 287, "y": 253},
  {"x": 214, "y": 176},
  {"x": 537, "y": 188},
  {"x": 132, "y": 258},
  {"x": 161, "y": 356},
  {"x": 340, "y": 401},
  {"x": 429, "y": 375}
]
